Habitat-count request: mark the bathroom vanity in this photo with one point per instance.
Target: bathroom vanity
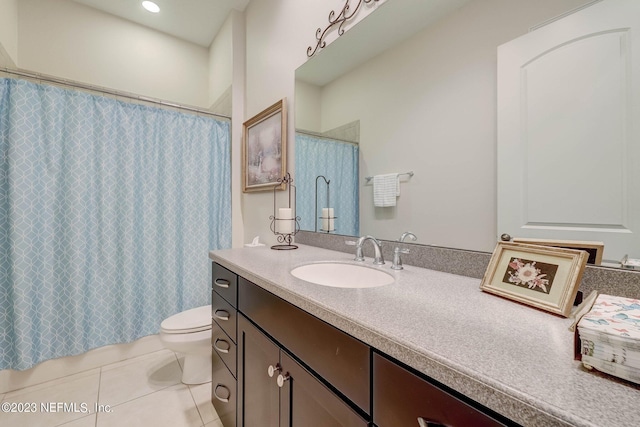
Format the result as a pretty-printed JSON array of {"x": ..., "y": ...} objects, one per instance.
[{"x": 428, "y": 349}]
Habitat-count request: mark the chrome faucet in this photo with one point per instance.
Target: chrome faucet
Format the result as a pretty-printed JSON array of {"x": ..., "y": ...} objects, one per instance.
[
  {"x": 378, "y": 259},
  {"x": 397, "y": 260}
]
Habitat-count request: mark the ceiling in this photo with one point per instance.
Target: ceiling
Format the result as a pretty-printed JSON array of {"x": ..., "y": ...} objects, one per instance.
[{"x": 197, "y": 21}]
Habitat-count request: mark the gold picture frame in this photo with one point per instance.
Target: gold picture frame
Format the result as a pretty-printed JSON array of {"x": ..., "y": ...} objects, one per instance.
[
  {"x": 264, "y": 148},
  {"x": 544, "y": 277},
  {"x": 594, "y": 249}
]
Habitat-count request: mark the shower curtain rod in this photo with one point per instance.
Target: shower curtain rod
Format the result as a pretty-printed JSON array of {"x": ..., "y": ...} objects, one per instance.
[
  {"x": 304, "y": 132},
  {"x": 106, "y": 91}
]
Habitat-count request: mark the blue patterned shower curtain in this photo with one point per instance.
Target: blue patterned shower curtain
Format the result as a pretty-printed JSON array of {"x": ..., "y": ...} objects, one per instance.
[
  {"x": 338, "y": 162},
  {"x": 107, "y": 213}
]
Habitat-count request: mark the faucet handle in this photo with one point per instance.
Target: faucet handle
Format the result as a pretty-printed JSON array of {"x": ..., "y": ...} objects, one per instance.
[
  {"x": 359, "y": 256},
  {"x": 397, "y": 260}
]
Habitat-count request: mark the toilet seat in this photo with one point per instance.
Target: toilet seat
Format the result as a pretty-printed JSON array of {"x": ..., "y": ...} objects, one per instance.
[{"x": 194, "y": 320}]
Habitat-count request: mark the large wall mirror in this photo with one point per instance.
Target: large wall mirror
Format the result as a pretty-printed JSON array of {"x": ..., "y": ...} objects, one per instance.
[{"x": 414, "y": 87}]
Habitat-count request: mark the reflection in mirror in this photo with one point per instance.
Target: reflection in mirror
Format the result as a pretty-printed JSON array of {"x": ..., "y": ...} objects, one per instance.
[
  {"x": 327, "y": 184},
  {"x": 426, "y": 103}
]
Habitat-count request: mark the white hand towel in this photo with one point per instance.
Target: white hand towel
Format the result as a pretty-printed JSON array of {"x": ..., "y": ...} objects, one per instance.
[{"x": 386, "y": 188}]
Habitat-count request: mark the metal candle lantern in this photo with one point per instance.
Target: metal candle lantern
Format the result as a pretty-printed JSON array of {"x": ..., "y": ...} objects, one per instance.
[
  {"x": 326, "y": 216},
  {"x": 284, "y": 222}
]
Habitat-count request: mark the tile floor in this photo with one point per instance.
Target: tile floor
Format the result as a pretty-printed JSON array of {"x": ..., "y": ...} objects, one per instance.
[{"x": 142, "y": 391}]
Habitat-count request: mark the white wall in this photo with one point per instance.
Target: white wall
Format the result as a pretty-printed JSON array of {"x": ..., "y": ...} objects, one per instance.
[
  {"x": 441, "y": 115},
  {"x": 238, "y": 110},
  {"x": 8, "y": 33},
  {"x": 69, "y": 40},
  {"x": 221, "y": 61}
]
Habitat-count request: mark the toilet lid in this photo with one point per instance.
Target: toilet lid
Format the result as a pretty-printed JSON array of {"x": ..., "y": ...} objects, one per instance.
[{"x": 194, "y": 320}]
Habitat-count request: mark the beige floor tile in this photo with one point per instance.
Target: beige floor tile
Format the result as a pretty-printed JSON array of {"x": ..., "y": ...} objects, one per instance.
[
  {"x": 53, "y": 403},
  {"x": 52, "y": 383},
  {"x": 124, "y": 381},
  {"x": 171, "y": 407},
  {"x": 202, "y": 396},
  {"x": 88, "y": 421},
  {"x": 180, "y": 360}
]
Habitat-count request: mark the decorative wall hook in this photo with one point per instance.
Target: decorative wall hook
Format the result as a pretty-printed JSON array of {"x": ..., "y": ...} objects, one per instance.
[{"x": 339, "y": 20}]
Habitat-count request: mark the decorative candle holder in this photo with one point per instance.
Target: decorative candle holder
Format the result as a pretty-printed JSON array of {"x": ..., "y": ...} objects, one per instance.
[
  {"x": 327, "y": 215},
  {"x": 285, "y": 224}
]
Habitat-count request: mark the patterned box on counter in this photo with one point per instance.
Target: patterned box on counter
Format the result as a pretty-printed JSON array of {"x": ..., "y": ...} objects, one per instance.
[{"x": 609, "y": 337}]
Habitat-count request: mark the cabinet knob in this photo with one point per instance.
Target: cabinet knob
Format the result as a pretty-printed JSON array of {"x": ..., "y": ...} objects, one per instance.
[
  {"x": 273, "y": 369},
  {"x": 222, "y": 398},
  {"x": 424, "y": 423},
  {"x": 283, "y": 378},
  {"x": 505, "y": 237},
  {"x": 221, "y": 314},
  {"x": 222, "y": 283},
  {"x": 221, "y": 349}
]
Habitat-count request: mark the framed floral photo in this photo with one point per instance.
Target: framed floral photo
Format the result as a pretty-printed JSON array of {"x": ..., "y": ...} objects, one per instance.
[
  {"x": 594, "y": 249},
  {"x": 264, "y": 148},
  {"x": 544, "y": 277}
]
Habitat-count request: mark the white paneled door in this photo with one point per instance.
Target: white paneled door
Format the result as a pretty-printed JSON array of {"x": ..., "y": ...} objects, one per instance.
[{"x": 568, "y": 130}]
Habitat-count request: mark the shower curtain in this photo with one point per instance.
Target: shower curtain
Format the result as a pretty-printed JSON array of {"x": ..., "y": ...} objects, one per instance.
[
  {"x": 107, "y": 213},
  {"x": 338, "y": 162}
]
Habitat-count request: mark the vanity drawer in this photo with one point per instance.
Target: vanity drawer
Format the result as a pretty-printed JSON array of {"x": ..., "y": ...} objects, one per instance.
[
  {"x": 224, "y": 314},
  {"x": 400, "y": 397},
  {"x": 223, "y": 392},
  {"x": 340, "y": 359},
  {"x": 224, "y": 347},
  {"x": 225, "y": 283}
]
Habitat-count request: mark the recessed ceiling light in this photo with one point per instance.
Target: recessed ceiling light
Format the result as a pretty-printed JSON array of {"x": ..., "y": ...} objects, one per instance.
[{"x": 151, "y": 6}]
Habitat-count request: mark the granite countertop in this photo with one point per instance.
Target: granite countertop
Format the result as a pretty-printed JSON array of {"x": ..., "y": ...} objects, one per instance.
[{"x": 512, "y": 358}]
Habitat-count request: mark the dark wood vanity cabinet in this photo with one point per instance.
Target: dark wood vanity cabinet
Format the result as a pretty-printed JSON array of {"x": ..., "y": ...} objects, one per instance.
[
  {"x": 224, "y": 314},
  {"x": 401, "y": 398},
  {"x": 327, "y": 377},
  {"x": 275, "y": 337},
  {"x": 277, "y": 391}
]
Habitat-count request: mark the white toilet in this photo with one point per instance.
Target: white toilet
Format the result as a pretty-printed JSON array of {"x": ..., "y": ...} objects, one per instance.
[{"x": 189, "y": 333}]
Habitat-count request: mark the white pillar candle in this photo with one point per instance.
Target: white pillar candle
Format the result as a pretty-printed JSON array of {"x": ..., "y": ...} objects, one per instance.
[
  {"x": 327, "y": 219},
  {"x": 285, "y": 221}
]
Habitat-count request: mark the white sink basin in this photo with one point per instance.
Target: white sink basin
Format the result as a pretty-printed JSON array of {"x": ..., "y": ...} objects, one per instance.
[{"x": 340, "y": 275}]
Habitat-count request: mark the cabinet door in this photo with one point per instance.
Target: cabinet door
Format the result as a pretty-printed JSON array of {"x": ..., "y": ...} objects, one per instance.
[
  {"x": 340, "y": 359},
  {"x": 309, "y": 403},
  {"x": 301, "y": 400},
  {"x": 258, "y": 394}
]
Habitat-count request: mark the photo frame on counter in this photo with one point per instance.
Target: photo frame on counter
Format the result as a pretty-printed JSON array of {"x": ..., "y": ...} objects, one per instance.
[
  {"x": 264, "y": 148},
  {"x": 543, "y": 277},
  {"x": 594, "y": 249}
]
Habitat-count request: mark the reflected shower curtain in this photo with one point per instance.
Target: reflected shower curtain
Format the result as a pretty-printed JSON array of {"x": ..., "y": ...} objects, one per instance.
[
  {"x": 107, "y": 213},
  {"x": 338, "y": 162}
]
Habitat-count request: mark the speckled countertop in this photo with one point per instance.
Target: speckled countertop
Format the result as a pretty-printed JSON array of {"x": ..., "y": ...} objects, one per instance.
[{"x": 512, "y": 358}]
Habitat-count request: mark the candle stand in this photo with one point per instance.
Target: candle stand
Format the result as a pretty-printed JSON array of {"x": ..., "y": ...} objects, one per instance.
[{"x": 285, "y": 224}]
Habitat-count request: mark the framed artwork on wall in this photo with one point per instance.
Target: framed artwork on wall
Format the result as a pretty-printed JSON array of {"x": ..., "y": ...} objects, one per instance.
[
  {"x": 264, "y": 148},
  {"x": 544, "y": 277},
  {"x": 594, "y": 249}
]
